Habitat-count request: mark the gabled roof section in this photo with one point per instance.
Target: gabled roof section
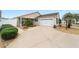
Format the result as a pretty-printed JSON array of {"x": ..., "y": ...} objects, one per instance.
[
  {"x": 30, "y": 15},
  {"x": 57, "y": 13}
]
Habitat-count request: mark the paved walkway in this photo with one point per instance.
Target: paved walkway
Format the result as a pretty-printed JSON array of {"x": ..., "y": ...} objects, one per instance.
[{"x": 45, "y": 37}]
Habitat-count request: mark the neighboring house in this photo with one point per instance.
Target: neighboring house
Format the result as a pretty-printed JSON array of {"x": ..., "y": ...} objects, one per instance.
[
  {"x": 74, "y": 22},
  {"x": 38, "y": 19},
  {"x": 4, "y": 20},
  {"x": 8, "y": 21}
]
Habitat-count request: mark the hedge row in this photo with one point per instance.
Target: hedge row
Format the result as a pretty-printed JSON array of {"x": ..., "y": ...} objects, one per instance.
[
  {"x": 5, "y": 26},
  {"x": 8, "y": 32}
]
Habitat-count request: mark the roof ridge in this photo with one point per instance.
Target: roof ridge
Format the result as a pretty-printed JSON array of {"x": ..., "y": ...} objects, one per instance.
[
  {"x": 51, "y": 13},
  {"x": 28, "y": 14}
]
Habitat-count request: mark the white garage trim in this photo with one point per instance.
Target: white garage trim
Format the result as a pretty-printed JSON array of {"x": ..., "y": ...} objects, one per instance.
[{"x": 46, "y": 22}]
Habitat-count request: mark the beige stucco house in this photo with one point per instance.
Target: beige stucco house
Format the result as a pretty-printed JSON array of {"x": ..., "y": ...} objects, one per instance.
[{"x": 39, "y": 19}]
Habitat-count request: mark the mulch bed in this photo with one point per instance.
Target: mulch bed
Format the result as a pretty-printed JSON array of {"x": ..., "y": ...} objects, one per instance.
[{"x": 69, "y": 30}]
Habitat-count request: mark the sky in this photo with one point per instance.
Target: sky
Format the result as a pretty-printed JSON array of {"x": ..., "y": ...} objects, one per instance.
[{"x": 14, "y": 13}]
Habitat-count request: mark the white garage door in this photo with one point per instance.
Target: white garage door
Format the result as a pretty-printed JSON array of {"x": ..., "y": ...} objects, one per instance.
[{"x": 46, "y": 22}]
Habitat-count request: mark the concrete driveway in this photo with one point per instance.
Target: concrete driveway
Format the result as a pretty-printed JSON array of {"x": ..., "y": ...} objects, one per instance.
[{"x": 45, "y": 37}]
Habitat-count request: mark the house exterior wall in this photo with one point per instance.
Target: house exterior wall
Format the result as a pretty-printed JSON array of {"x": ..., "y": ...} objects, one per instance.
[
  {"x": 50, "y": 17},
  {"x": 37, "y": 16},
  {"x": 33, "y": 16},
  {"x": 35, "y": 22}
]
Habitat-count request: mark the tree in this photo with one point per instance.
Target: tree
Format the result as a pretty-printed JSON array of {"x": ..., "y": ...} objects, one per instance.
[
  {"x": 60, "y": 22},
  {"x": 76, "y": 16},
  {"x": 68, "y": 17}
]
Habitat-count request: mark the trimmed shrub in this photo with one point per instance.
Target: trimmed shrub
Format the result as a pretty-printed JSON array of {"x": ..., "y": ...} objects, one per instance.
[
  {"x": 9, "y": 33},
  {"x": 29, "y": 23},
  {"x": 5, "y": 26}
]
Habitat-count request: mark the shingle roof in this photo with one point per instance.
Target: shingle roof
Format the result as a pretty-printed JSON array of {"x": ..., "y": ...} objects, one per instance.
[
  {"x": 49, "y": 14},
  {"x": 28, "y": 14},
  {"x": 40, "y": 15}
]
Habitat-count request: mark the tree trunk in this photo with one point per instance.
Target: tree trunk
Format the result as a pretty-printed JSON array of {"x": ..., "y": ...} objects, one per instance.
[
  {"x": 69, "y": 24},
  {"x": 66, "y": 24},
  {"x": 59, "y": 23}
]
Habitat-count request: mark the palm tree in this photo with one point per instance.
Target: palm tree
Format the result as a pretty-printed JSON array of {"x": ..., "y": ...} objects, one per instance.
[{"x": 68, "y": 17}]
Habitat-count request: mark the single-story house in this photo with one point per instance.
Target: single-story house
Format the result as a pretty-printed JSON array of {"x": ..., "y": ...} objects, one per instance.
[
  {"x": 38, "y": 19},
  {"x": 8, "y": 21}
]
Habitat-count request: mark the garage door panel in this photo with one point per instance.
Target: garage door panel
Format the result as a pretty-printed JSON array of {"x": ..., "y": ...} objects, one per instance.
[{"x": 46, "y": 22}]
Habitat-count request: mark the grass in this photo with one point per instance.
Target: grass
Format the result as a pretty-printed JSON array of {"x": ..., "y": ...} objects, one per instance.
[
  {"x": 69, "y": 30},
  {"x": 4, "y": 43}
]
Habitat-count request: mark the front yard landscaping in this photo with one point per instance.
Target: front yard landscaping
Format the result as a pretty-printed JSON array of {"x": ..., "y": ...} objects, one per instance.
[
  {"x": 68, "y": 30},
  {"x": 7, "y": 34},
  {"x": 27, "y": 22}
]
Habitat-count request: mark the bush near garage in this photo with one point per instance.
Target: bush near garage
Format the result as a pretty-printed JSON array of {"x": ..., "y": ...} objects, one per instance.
[
  {"x": 29, "y": 23},
  {"x": 8, "y": 32}
]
